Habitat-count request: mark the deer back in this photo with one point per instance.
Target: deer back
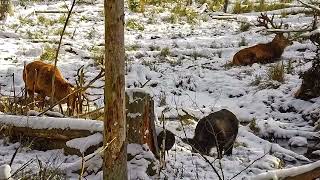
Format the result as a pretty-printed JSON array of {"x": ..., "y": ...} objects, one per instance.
[{"x": 38, "y": 78}]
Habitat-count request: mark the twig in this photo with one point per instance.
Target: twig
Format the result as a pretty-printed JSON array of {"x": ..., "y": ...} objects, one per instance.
[
  {"x": 102, "y": 150},
  {"x": 61, "y": 11},
  {"x": 286, "y": 30},
  {"x": 82, "y": 167},
  {"x": 14, "y": 155},
  {"x": 14, "y": 95},
  {"x": 22, "y": 167},
  {"x": 20, "y": 24},
  {"x": 44, "y": 41},
  {"x": 25, "y": 89},
  {"x": 251, "y": 164},
  {"x": 91, "y": 112},
  {"x": 142, "y": 85},
  {"x": 188, "y": 114}
]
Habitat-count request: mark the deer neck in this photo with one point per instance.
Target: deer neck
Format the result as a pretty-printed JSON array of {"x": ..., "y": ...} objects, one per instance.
[
  {"x": 62, "y": 89},
  {"x": 277, "y": 48}
]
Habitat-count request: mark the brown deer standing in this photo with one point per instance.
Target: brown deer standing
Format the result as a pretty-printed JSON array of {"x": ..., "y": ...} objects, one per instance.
[
  {"x": 263, "y": 53},
  {"x": 38, "y": 78}
]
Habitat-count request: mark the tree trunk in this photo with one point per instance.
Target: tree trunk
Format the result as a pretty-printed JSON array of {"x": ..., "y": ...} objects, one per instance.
[
  {"x": 225, "y": 5},
  {"x": 5, "y": 8},
  {"x": 115, "y": 155}
]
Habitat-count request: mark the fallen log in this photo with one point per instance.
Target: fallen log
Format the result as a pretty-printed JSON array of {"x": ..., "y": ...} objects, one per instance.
[
  {"x": 53, "y": 133},
  {"x": 306, "y": 172},
  {"x": 45, "y": 133}
]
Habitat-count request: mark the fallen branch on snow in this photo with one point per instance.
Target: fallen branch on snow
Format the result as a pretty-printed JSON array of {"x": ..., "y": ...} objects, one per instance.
[{"x": 305, "y": 172}]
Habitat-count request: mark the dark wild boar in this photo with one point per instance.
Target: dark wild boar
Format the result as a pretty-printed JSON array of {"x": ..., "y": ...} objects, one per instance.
[
  {"x": 262, "y": 53},
  {"x": 217, "y": 129},
  {"x": 169, "y": 138}
]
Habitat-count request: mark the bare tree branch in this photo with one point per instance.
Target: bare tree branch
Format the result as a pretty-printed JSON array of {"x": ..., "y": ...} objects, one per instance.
[{"x": 57, "y": 52}]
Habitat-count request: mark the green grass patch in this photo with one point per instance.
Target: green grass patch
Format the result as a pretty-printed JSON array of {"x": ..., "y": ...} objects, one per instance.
[
  {"x": 134, "y": 25},
  {"x": 49, "y": 54}
]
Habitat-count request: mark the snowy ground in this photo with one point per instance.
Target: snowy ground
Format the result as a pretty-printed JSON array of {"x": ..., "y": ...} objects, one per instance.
[{"x": 184, "y": 64}]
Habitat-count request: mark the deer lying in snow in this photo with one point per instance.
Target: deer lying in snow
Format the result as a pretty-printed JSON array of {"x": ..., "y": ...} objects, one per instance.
[
  {"x": 38, "y": 78},
  {"x": 262, "y": 53}
]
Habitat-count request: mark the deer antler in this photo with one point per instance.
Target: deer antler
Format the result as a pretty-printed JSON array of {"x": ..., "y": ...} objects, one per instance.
[
  {"x": 264, "y": 20},
  {"x": 80, "y": 70}
]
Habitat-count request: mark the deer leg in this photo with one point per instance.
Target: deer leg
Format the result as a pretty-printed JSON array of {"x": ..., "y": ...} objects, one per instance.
[
  {"x": 32, "y": 91},
  {"x": 41, "y": 100},
  {"x": 61, "y": 110},
  {"x": 69, "y": 109}
]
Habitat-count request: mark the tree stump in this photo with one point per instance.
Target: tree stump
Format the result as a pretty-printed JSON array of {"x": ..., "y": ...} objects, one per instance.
[
  {"x": 310, "y": 87},
  {"x": 140, "y": 119}
]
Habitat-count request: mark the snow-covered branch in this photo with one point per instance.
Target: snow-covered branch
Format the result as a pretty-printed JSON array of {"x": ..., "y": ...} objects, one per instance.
[
  {"x": 311, "y": 171},
  {"x": 310, "y": 6}
]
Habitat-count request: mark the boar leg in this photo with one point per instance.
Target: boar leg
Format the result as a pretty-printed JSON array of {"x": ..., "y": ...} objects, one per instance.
[
  {"x": 229, "y": 147},
  {"x": 228, "y": 151},
  {"x": 220, "y": 150}
]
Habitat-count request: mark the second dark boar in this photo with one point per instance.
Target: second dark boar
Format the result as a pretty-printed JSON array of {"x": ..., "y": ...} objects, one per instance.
[{"x": 217, "y": 129}]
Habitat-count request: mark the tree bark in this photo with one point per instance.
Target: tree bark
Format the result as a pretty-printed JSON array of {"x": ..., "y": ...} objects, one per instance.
[
  {"x": 140, "y": 119},
  {"x": 5, "y": 8},
  {"x": 225, "y": 5},
  {"x": 115, "y": 155}
]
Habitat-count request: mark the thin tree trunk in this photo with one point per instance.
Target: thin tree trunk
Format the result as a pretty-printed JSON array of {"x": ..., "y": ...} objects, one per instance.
[
  {"x": 225, "y": 5},
  {"x": 115, "y": 155},
  {"x": 5, "y": 8}
]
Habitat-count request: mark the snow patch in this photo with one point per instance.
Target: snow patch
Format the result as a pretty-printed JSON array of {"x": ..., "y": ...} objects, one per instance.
[
  {"x": 52, "y": 123},
  {"x": 298, "y": 141},
  {"x": 84, "y": 143},
  {"x": 5, "y": 172}
]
